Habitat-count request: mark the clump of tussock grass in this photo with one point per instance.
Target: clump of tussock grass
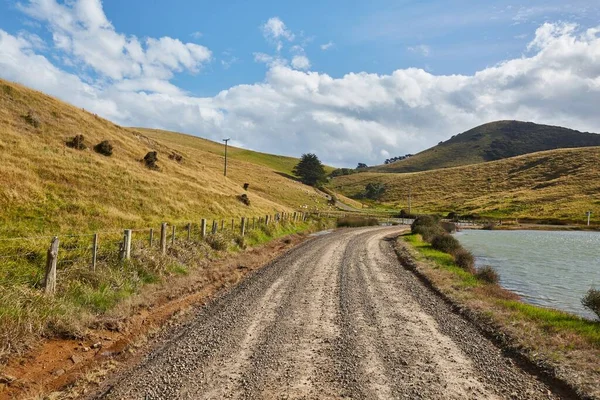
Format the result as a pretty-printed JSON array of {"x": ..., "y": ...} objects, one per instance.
[
  {"x": 591, "y": 301},
  {"x": 218, "y": 241},
  {"x": 488, "y": 274},
  {"x": 77, "y": 142},
  {"x": 176, "y": 157},
  {"x": 244, "y": 199},
  {"x": 33, "y": 119},
  {"x": 355, "y": 222},
  {"x": 151, "y": 160},
  {"x": 104, "y": 147}
]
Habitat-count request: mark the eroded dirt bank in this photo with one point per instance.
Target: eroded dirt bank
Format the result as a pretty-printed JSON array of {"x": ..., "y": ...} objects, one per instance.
[{"x": 337, "y": 317}]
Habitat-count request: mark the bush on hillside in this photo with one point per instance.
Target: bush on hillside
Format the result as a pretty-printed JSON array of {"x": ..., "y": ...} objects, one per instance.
[
  {"x": 355, "y": 222},
  {"x": 32, "y": 119},
  {"x": 428, "y": 232},
  {"x": 77, "y": 142},
  {"x": 488, "y": 274},
  {"x": 244, "y": 199},
  {"x": 465, "y": 260},
  {"x": 104, "y": 147},
  {"x": 151, "y": 159},
  {"x": 424, "y": 220},
  {"x": 591, "y": 301},
  {"x": 246, "y": 186},
  {"x": 446, "y": 243}
]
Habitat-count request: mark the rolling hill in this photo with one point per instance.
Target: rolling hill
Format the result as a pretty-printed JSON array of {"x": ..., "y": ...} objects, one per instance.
[
  {"x": 556, "y": 184},
  {"x": 47, "y": 187},
  {"x": 490, "y": 142}
]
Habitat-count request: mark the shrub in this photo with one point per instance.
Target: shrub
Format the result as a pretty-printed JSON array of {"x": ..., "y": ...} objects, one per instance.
[
  {"x": 489, "y": 227},
  {"x": 217, "y": 241},
  {"x": 240, "y": 241},
  {"x": 176, "y": 157},
  {"x": 591, "y": 301},
  {"x": 332, "y": 200},
  {"x": 104, "y": 147},
  {"x": 424, "y": 220},
  {"x": 449, "y": 227},
  {"x": 33, "y": 119},
  {"x": 374, "y": 191},
  {"x": 488, "y": 274},
  {"x": 465, "y": 260},
  {"x": 428, "y": 232},
  {"x": 355, "y": 222},
  {"x": 446, "y": 243},
  {"x": 246, "y": 186},
  {"x": 151, "y": 159},
  {"x": 244, "y": 199},
  {"x": 77, "y": 142}
]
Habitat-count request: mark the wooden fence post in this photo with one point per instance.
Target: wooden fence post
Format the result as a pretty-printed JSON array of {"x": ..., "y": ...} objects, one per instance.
[
  {"x": 173, "y": 237},
  {"x": 222, "y": 224},
  {"x": 94, "y": 251},
  {"x": 189, "y": 230},
  {"x": 243, "y": 227},
  {"x": 203, "y": 228},
  {"x": 163, "y": 238},
  {"x": 232, "y": 224},
  {"x": 151, "y": 237},
  {"x": 215, "y": 227},
  {"x": 51, "y": 261},
  {"x": 126, "y": 245},
  {"x": 267, "y": 220},
  {"x": 253, "y": 223}
]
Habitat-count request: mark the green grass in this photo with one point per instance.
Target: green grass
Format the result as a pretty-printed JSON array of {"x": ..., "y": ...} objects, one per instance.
[
  {"x": 553, "y": 185},
  {"x": 554, "y": 320},
  {"x": 442, "y": 260}
]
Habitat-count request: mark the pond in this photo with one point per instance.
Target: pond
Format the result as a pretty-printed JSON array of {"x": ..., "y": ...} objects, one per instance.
[{"x": 551, "y": 269}]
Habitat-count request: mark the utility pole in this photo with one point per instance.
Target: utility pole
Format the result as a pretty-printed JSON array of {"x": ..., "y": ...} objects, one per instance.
[
  {"x": 589, "y": 215},
  {"x": 225, "y": 172}
]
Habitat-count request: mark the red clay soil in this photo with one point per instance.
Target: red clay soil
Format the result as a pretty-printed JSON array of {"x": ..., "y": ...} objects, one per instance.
[{"x": 58, "y": 363}]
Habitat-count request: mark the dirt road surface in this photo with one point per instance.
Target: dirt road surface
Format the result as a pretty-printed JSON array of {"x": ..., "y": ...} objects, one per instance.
[{"x": 336, "y": 317}]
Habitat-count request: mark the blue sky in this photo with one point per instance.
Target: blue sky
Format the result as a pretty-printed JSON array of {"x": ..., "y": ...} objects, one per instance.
[{"x": 360, "y": 77}]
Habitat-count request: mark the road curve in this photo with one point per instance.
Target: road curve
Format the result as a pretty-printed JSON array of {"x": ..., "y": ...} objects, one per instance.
[{"x": 336, "y": 317}]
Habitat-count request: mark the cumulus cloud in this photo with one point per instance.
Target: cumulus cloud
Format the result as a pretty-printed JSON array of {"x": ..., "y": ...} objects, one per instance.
[
  {"x": 359, "y": 117},
  {"x": 300, "y": 62},
  {"x": 82, "y": 32},
  {"x": 275, "y": 31}
]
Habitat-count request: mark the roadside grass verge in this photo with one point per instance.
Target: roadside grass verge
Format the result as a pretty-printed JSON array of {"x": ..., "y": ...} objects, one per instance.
[
  {"x": 568, "y": 344},
  {"x": 86, "y": 299}
]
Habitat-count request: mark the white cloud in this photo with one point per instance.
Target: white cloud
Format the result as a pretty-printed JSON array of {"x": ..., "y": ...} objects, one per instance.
[
  {"x": 197, "y": 35},
  {"x": 327, "y": 46},
  {"x": 274, "y": 28},
  {"x": 300, "y": 62},
  {"x": 359, "y": 117},
  {"x": 421, "y": 49},
  {"x": 82, "y": 32}
]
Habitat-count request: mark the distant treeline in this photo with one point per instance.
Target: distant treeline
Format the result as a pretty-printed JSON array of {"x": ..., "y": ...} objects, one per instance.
[{"x": 399, "y": 158}]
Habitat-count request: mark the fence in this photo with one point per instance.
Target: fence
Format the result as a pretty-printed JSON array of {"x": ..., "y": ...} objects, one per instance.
[{"x": 112, "y": 246}]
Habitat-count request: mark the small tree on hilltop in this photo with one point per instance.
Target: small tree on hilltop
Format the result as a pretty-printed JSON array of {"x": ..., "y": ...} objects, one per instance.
[{"x": 310, "y": 170}]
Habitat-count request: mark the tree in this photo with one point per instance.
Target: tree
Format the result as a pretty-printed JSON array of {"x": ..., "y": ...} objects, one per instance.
[
  {"x": 374, "y": 191},
  {"x": 310, "y": 170},
  {"x": 361, "y": 165}
]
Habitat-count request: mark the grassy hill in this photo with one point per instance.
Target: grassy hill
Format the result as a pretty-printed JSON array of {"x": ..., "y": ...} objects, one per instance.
[
  {"x": 490, "y": 142},
  {"x": 561, "y": 184},
  {"x": 47, "y": 187}
]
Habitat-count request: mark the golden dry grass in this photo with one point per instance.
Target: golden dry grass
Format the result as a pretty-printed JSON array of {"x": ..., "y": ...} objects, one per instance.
[
  {"x": 558, "y": 184},
  {"x": 46, "y": 187}
]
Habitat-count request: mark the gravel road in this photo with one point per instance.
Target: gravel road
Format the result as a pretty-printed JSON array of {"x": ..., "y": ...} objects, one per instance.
[{"x": 336, "y": 317}]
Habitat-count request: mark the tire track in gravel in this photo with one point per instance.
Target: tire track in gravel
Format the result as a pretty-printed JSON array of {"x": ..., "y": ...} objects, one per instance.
[{"x": 336, "y": 317}]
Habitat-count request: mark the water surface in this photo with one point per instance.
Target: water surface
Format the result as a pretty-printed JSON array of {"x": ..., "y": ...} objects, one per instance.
[{"x": 551, "y": 269}]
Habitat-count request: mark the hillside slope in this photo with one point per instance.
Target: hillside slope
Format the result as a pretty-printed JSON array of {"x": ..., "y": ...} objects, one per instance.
[
  {"x": 561, "y": 184},
  {"x": 493, "y": 141},
  {"x": 47, "y": 187}
]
